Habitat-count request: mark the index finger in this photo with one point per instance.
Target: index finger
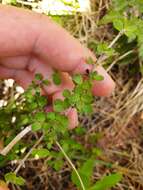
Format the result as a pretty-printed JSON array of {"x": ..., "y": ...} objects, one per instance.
[{"x": 41, "y": 37}]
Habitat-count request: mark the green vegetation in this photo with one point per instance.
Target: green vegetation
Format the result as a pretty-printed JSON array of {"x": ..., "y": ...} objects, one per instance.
[{"x": 54, "y": 129}]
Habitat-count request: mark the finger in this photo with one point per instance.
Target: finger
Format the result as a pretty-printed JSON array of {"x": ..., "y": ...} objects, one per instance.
[
  {"x": 34, "y": 66},
  {"x": 43, "y": 38},
  {"x": 16, "y": 62},
  {"x": 3, "y": 185},
  {"x": 104, "y": 87},
  {"x": 72, "y": 115},
  {"x": 22, "y": 77}
]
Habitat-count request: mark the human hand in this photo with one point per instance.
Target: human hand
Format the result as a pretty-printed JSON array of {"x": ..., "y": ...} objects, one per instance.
[
  {"x": 3, "y": 186},
  {"x": 31, "y": 43}
]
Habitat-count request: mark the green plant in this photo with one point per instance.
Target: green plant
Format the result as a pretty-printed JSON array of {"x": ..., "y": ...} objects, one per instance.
[
  {"x": 126, "y": 48},
  {"x": 30, "y": 116}
]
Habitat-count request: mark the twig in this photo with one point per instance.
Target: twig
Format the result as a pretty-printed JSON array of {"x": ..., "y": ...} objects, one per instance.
[
  {"x": 116, "y": 39},
  {"x": 28, "y": 154},
  {"x": 71, "y": 164},
  {"x": 24, "y": 132},
  {"x": 120, "y": 58}
]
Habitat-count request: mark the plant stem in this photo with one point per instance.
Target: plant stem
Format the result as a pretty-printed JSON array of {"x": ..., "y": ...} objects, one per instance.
[
  {"x": 28, "y": 154},
  {"x": 120, "y": 58},
  {"x": 72, "y": 165},
  {"x": 6, "y": 150},
  {"x": 116, "y": 39}
]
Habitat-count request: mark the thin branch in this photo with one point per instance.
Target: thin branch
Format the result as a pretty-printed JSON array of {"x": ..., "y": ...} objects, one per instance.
[
  {"x": 120, "y": 58},
  {"x": 7, "y": 149},
  {"x": 28, "y": 154},
  {"x": 71, "y": 164},
  {"x": 116, "y": 39}
]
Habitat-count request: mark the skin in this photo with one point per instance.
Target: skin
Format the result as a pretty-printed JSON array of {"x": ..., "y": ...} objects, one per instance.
[
  {"x": 3, "y": 186},
  {"x": 31, "y": 43}
]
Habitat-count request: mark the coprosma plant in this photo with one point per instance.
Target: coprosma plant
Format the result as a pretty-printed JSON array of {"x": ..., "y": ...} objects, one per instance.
[{"x": 30, "y": 115}]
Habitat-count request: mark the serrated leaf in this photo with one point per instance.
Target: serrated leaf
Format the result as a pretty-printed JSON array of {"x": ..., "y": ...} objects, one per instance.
[
  {"x": 98, "y": 78},
  {"x": 78, "y": 79},
  {"x": 40, "y": 117},
  {"x": 103, "y": 48},
  {"x": 58, "y": 164},
  {"x": 51, "y": 116},
  {"x": 63, "y": 120},
  {"x": 111, "y": 17},
  {"x": 46, "y": 82},
  {"x": 46, "y": 126},
  {"x": 58, "y": 105},
  {"x": 42, "y": 101},
  {"x": 95, "y": 76},
  {"x": 56, "y": 78},
  {"x": 38, "y": 77},
  {"x": 41, "y": 153},
  {"x": 66, "y": 93},
  {"x": 131, "y": 28},
  {"x": 24, "y": 120},
  {"x": 12, "y": 178},
  {"x": 118, "y": 24},
  {"x": 36, "y": 126},
  {"x": 87, "y": 108}
]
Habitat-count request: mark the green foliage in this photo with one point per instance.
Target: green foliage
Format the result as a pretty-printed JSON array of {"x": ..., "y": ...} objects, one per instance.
[
  {"x": 41, "y": 153},
  {"x": 78, "y": 79},
  {"x": 107, "y": 182},
  {"x": 12, "y": 178},
  {"x": 38, "y": 77},
  {"x": 125, "y": 17},
  {"x": 103, "y": 48},
  {"x": 85, "y": 172},
  {"x": 95, "y": 76},
  {"x": 60, "y": 105},
  {"x": 54, "y": 126},
  {"x": 57, "y": 78}
]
